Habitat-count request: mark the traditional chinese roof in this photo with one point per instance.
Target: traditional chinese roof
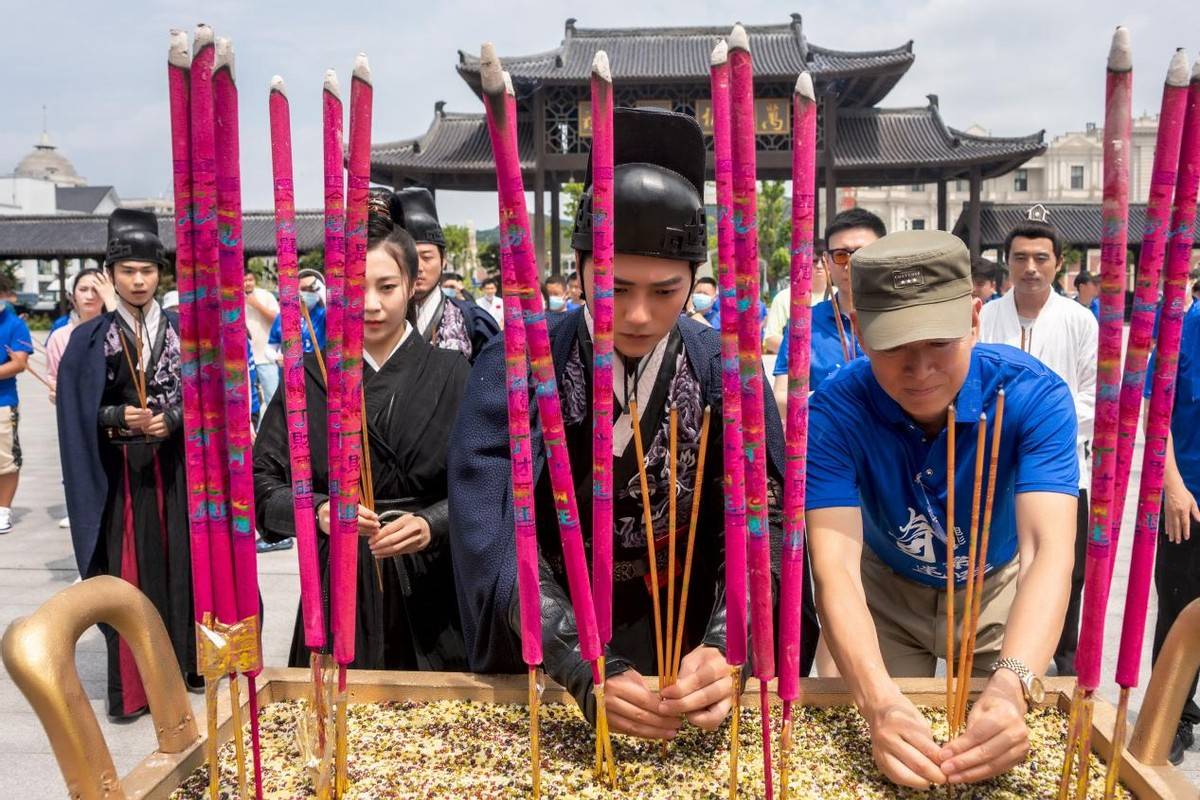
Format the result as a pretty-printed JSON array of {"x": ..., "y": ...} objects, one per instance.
[
  {"x": 672, "y": 55},
  {"x": 1078, "y": 223},
  {"x": 85, "y": 236},
  {"x": 873, "y": 147}
]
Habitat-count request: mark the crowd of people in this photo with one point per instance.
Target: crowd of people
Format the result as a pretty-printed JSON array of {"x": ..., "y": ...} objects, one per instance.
[{"x": 905, "y": 326}]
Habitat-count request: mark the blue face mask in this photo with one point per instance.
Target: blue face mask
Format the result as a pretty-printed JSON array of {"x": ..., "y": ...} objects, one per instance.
[
  {"x": 702, "y": 302},
  {"x": 557, "y": 302},
  {"x": 310, "y": 299},
  {"x": 449, "y": 292}
]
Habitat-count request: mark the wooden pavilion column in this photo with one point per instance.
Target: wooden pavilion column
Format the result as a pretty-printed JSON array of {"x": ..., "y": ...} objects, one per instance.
[
  {"x": 555, "y": 229},
  {"x": 539, "y": 180},
  {"x": 829, "y": 125},
  {"x": 942, "y": 221},
  {"x": 974, "y": 235}
]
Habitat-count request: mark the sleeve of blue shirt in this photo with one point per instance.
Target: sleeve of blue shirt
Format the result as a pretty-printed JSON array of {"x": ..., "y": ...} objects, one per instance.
[
  {"x": 832, "y": 471},
  {"x": 275, "y": 337},
  {"x": 781, "y": 358},
  {"x": 21, "y": 340},
  {"x": 1046, "y": 458}
]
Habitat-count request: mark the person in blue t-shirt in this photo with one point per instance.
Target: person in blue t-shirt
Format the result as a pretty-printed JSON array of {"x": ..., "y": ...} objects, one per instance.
[
  {"x": 877, "y": 477},
  {"x": 1087, "y": 292},
  {"x": 1177, "y": 565},
  {"x": 312, "y": 292},
  {"x": 833, "y": 344},
  {"x": 705, "y": 303},
  {"x": 17, "y": 345}
]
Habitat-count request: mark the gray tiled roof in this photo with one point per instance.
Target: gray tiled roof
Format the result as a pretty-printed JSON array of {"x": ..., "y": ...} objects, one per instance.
[
  {"x": 781, "y": 52},
  {"x": 887, "y": 144},
  {"x": 69, "y": 236},
  {"x": 79, "y": 199},
  {"x": 1078, "y": 223}
]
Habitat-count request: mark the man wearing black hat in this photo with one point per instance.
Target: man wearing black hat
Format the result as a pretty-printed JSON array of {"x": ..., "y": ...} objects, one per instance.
[
  {"x": 877, "y": 462},
  {"x": 448, "y": 323},
  {"x": 120, "y": 420},
  {"x": 662, "y": 361}
]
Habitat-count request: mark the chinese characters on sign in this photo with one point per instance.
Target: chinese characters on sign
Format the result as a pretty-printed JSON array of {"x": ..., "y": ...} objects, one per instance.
[{"x": 772, "y": 115}]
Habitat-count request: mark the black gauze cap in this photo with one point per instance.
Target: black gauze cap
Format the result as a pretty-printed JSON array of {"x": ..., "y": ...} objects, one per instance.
[
  {"x": 133, "y": 236},
  {"x": 413, "y": 209},
  {"x": 658, "y": 183}
]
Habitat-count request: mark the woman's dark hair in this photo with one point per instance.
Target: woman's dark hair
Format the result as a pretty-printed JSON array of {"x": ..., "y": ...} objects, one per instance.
[
  {"x": 83, "y": 273},
  {"x": 1033, "y": 229},
  {"x": 382, "y": 232}
]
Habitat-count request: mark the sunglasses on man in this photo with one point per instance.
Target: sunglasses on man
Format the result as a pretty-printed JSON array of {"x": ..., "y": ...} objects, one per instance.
[{"x": 841, "y": 255}]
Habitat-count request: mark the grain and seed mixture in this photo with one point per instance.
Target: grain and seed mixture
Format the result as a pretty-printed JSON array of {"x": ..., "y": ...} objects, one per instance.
[{"x": 462, "y": 749}]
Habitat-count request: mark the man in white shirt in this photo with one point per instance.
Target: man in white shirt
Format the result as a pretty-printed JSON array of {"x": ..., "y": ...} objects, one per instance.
[
  {"x": 1063, "y": 335},
  {"x": 261, "y": 310}
]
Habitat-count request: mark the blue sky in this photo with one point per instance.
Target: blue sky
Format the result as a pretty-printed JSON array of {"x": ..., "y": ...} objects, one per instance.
[{"x": 1013, "y": 67}]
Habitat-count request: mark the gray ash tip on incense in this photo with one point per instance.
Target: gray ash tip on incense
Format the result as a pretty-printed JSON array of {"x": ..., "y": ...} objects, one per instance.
[
  {"x": 491, "y": 72},
  {"x": 720, "y": 53},
  {"x": 203, "y": 38},
  {"x": 362, "y": 70},
  {"x": 738, "y": 40},
  {"x": 331, "y": 83},
  {"x": 1177, "y": 73},
  {"x": 1120, "y": 54},
  {"x": 177, "y": 52},
  {"x": 600, "y": 67},
  {"x": 277, "y": 85},
  {"x": 1196, "y": 71},
  {"x": 804, "y": 87},
  {"x": 224, "y": 59},
  {"x": 508, "y": 87}
]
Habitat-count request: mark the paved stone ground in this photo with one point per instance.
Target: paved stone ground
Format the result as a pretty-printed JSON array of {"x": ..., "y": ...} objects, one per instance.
[{"x": 36, "y": 561}]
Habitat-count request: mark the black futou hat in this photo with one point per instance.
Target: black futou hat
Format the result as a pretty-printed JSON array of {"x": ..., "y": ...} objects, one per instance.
[
  {"x": 658, "y": 183},
  {"x": 413, "y": 209},
  {"x": 133, "y": 236}
]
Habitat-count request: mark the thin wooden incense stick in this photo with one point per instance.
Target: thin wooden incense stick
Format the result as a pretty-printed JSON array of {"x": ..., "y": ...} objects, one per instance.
[
  {"x": 672, "y": 510},
  {"x": 648, "y": 523},
  {"x": 693, "y": 521},
  {"x": 951, "y": 572},
  {"x": 964, "y": 678}
]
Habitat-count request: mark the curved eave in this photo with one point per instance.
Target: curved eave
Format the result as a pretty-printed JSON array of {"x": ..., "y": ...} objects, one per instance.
[{"x": 1079, "y": 223}]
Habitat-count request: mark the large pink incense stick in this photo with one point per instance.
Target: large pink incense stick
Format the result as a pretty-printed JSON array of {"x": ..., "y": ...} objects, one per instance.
[
  {"x": 1145, "y": 301},
  {"x": 501, "y": 106},
  {"x": 342, "y": 537},
  {"x": 178, "y": 66},
  {"x": 295, "y": 398},
  {"x": 1114, "y": 215},
  {"x": 208, "y": 323},
  {"x": 233, "y": 333},
  {"x": 602, "y": 344},
  {"x": 745, "y": 229},
  {"x": 804, "y": 148},
  {"x": 1162, "y": 398},
  {"x": 731, "y": 387},
  {"x": 245, "y": 656},
  {"x": 345, "y": 568}
]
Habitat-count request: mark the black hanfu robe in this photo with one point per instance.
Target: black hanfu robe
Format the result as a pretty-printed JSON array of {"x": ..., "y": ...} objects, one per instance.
[
  {"x": 411, "y": 402},
  {"x": 688, "y": 377},
  {"x": 457, "y": 325},
  {"x": 126, "y": 492}
]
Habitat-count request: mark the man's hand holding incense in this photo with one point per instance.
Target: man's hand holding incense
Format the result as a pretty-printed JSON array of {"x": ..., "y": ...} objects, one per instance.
[
  {"x": 404, "y": 536},
  {"x": 635, "y": 710},
  {"x": 703, "y": 692},
  {"x": 902, "y": 744},
  {"x": 996, "y": 738},
  {"x": 157, "y": 427},
  {"x": 137, "y": 418}
]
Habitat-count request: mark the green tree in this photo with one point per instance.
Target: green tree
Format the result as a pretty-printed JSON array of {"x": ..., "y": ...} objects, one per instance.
[
  {"x": 774, "y": 232},
  {"x": 570, "y": 204},
  {"x": 489, "y": 256},
  {"x": 313, "y": 259},
  {"x": 457, "y": 240}
]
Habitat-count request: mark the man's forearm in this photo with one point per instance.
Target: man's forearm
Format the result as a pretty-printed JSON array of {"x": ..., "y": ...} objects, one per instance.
[{"x": 11, "y": 368}]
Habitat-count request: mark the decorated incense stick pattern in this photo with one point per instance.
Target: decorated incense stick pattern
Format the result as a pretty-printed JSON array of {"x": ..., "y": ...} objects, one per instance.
[
  {"x": 804, "y": 132},
  {"x": 295, "y": 398},
  {"x": 208, "y": 323},
  {"x": 602, "y": 344},
  {"x": 731, "y": 388},
  {"x": 178, "y": 66},
  {"x": 1114, "y": 215},
  {"x": 234, "y": 342},
  {"x": 1149, "y": 269},
  {"x": 1162, "y": 396}
]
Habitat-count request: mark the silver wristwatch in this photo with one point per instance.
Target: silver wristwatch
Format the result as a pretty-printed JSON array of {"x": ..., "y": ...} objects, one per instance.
[{"x": 1031, "y": 685}]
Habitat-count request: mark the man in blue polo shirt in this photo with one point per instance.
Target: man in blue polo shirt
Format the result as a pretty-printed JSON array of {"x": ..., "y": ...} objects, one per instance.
[
  {"x": 14, "y": 336},
  {"x": 1177, "y": 565},
  {"x": 876, "y": 476},
  {"x": 833, "y": 340}
]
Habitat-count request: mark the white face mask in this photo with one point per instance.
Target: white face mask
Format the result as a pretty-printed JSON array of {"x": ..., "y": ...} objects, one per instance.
[
  {"x": 557, "y": 302},
  {"x": 702, "y": 302},
  {"x": 310, "y": 299}
]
